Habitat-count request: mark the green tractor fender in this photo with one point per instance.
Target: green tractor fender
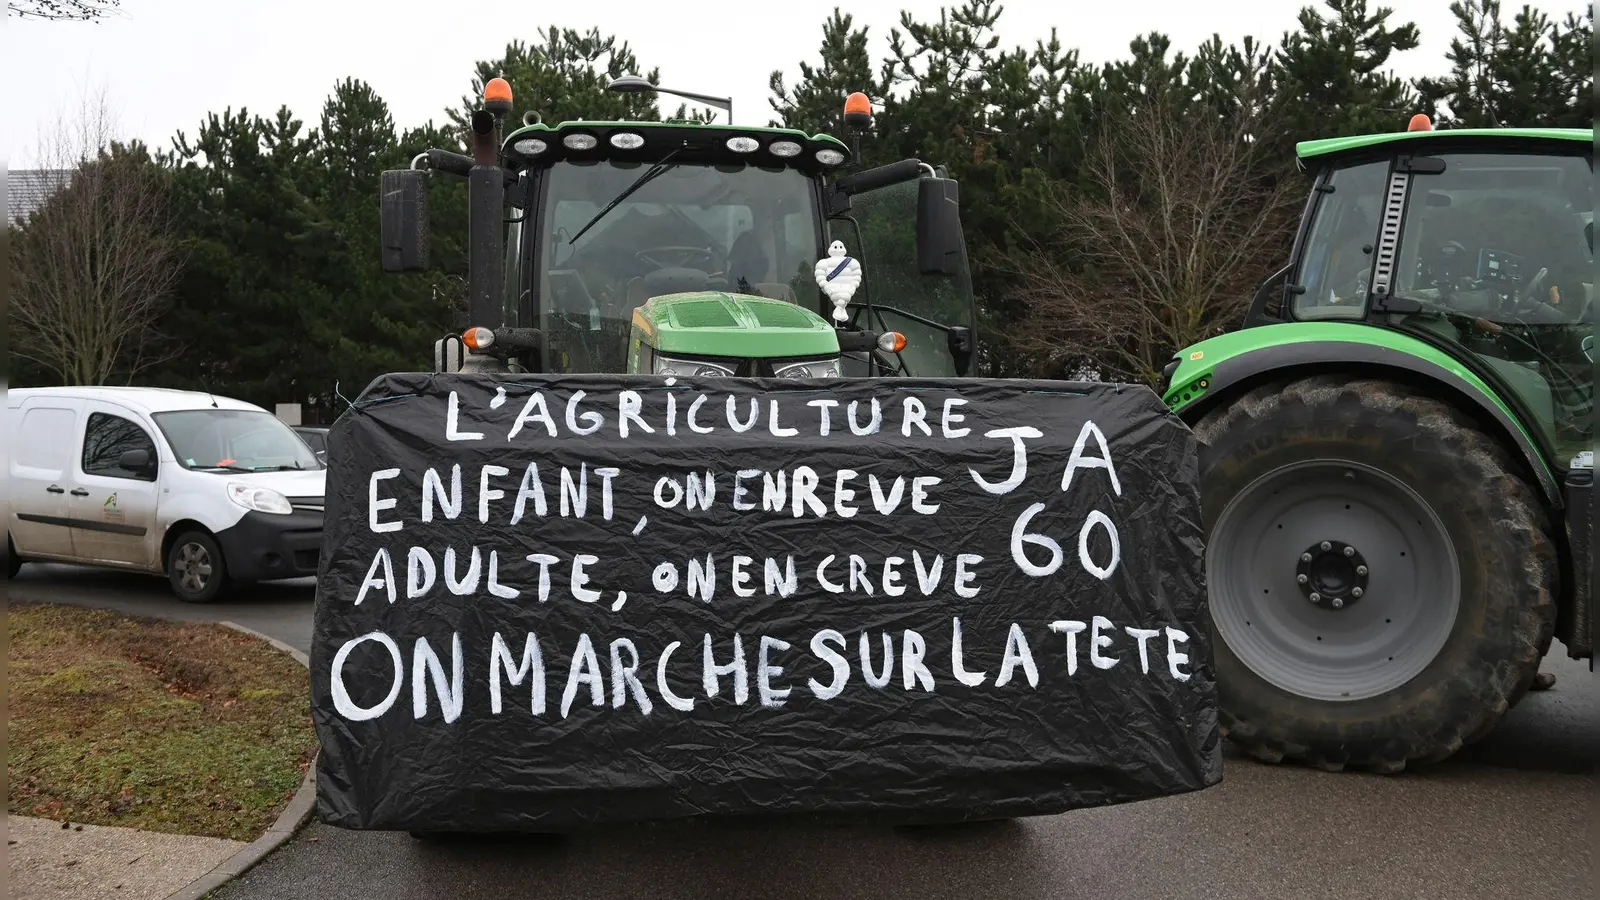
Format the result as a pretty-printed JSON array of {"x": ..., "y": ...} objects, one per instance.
[{"x": 1204, "y": 375}]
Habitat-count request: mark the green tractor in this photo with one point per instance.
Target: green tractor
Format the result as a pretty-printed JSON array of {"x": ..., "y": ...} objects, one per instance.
[
  {"x": 693, "y": 249},
  {"x": 1397, "y": 449}
]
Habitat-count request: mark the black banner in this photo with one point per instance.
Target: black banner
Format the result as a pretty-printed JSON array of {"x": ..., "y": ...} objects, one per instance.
[{"x": 555, "y": 601}]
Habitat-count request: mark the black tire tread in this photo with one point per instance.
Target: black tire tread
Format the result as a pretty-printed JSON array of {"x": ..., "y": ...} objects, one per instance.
[{"x": 1524, "y": 516}]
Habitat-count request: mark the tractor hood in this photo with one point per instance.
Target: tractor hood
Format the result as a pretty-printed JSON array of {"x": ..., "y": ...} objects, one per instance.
[{"x": 716, "y": 323}]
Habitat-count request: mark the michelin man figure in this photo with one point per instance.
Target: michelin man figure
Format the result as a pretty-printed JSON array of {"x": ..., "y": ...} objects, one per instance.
[{"x": 839, "y": 275}]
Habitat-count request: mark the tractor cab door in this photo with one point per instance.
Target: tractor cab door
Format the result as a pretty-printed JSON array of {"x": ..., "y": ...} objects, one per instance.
[
  {"x": 1486, "y": 254},
  {"x": 1495, "y": 258},
  {"x": 935, "y": 312}
]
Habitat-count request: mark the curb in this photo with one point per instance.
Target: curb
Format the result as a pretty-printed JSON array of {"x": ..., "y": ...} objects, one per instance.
[{"x": 293, "y": 817}]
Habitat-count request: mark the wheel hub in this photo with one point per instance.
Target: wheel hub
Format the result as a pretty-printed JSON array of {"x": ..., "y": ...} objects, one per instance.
[
  {"x": 1354, "y": 650},
  {"x": 194, "y": 567},
  {"x": 1332, "y": 574}
]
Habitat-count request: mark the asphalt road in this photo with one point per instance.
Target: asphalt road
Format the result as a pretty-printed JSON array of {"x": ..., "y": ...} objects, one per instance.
[{"x": 1510, "y": 816}]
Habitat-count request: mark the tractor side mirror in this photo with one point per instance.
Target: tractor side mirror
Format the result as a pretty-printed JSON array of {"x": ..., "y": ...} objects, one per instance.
[
  {"x": 403, "y": 220},
  {"x": 869, "y": 180},
  {"x": 939, "y": 235},
  {"x": 960, "y": 343}
]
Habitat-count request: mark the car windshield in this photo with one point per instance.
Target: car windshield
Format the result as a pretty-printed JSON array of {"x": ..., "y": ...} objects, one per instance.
[
  {"x": 234, "y": 440},
  {"x": 732, "y": 227}
]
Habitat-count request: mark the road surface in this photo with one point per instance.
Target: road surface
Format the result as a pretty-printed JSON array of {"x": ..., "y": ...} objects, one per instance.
[{"x": 1511, "y": 816}]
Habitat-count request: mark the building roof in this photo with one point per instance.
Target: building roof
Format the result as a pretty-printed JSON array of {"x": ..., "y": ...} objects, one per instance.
[{"x": 27, "y": 189}]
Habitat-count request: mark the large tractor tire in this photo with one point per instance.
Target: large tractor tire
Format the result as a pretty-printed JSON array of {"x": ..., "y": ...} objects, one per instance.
[{"x": 1381, "y": 577}]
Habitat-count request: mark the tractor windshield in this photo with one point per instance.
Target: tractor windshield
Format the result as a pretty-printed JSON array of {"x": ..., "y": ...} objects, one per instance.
[
  {"x": 692, "y": 227},
  {"x": 1498, "y": 251}
]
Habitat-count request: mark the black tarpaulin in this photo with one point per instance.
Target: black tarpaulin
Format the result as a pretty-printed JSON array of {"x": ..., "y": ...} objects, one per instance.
[{"x": 548, "y": 602}]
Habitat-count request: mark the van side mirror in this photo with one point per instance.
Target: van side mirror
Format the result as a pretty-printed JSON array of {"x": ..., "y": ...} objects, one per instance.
[
  {"x": 939, "y": 234},
  {"x": 403, "y": 221},
  {"x": 135, "y": 461}
]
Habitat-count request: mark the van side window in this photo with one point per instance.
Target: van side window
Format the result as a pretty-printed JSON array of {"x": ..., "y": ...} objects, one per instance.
[
  {"x": 107, "y": 438},
  {"x": 49, "y": 443}
]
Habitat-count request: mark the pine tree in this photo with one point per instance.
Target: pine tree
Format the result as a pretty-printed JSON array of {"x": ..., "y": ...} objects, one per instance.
[
  {"x": 256, "y": 242},
  {"x": 816, "y": 102},
  {"x": 373, "y": 322},
  {"x": 563, "y": 78},
  {"x": 1331, "y": 74},
  {"x": 1531, "y": 73}
]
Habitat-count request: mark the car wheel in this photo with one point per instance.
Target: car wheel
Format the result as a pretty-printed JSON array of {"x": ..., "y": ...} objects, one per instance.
[{"x": 195, "y": 567}]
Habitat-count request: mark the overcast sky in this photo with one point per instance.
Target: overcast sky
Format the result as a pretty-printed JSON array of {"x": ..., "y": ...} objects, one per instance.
[{"x": 166, "y": 63}]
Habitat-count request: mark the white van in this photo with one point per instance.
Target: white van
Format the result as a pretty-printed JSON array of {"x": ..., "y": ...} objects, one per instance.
[{"x": 205, "y": 490}]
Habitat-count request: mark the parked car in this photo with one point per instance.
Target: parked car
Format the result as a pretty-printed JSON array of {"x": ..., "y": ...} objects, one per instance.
[
  {"x": 205, "y": 490},
  {"x": 316, "y": 437}
]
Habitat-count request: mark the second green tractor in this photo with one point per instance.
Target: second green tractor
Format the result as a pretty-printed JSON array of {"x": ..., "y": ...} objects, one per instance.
[{"x": 1396, "y": 458}]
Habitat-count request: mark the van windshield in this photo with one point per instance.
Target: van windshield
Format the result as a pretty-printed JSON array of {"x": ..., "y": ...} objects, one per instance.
[{"x": 234, "y": 440}]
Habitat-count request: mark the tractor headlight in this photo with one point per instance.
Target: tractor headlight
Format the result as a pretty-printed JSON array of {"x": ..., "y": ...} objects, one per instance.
[
  {"x": 666, "y": 365},
  {"x": 816, "y": 368}
]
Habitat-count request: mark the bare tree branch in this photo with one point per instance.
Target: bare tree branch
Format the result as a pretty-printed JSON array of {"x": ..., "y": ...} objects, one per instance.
[
  {"x": 92, "y": 266},
  {"x": 62, "y": 10},
  {"x": 1179, "y": 218}
]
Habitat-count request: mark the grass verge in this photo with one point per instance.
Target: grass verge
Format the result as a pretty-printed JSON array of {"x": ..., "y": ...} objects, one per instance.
[{"x": 177, "y": 727}]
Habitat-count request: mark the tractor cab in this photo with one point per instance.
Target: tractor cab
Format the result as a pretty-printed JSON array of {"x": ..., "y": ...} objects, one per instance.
[
  {"x": 694, "y": 248},
  {"x": 1478, "y": 242}
]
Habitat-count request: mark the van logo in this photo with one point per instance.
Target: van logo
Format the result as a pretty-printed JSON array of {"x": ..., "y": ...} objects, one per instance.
[{"x": 110, "y": 511}]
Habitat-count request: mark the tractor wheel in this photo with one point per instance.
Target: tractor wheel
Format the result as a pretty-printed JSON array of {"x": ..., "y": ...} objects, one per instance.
[{"x": 1380, "y": 577}]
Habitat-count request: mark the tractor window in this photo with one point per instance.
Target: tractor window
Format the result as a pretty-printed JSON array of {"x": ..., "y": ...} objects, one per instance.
[
  {"x": 881, "y": 231},
  {"x": 1336, "y": 263},
  {"x": 800, "y": 235},
  {"x": 513, "y": 272},
  {"x": 1496, "y": 251},
  {"x": 726, "y": 227}
]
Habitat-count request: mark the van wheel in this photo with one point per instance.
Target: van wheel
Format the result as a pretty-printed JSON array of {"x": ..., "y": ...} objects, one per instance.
[{"x": 195, "y": 567}]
